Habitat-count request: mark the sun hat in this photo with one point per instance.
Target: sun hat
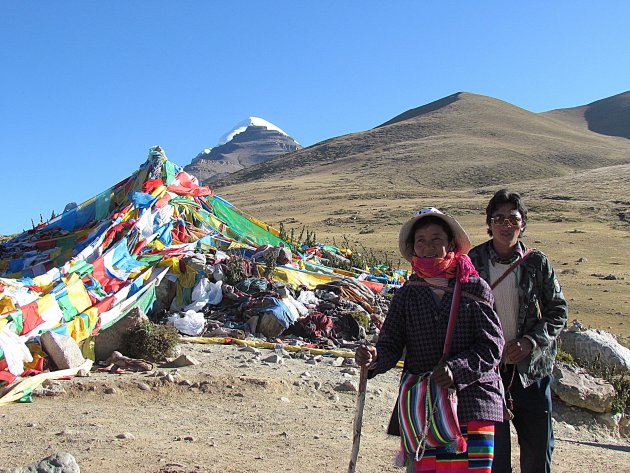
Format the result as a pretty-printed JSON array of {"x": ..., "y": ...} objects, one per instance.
[{"x": 459, "y": 234}]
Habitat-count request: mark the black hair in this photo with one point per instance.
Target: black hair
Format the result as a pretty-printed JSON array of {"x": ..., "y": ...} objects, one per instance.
[
  {"x": 425, "y": 222},
  {"x": 504, "y": 196}
]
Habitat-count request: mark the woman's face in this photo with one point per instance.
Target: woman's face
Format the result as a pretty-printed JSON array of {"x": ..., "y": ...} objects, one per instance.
[{"x": 430, "y": 242}]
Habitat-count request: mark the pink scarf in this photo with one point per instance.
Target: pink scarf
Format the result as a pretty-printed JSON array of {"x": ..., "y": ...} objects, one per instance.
[{"x": 447, "y": 267}]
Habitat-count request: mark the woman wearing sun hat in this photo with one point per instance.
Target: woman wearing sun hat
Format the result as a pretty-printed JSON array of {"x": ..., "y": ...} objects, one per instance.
[{"x": 436, "y": 246}]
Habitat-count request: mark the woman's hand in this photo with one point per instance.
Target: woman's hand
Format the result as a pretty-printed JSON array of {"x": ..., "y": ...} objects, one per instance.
[
  {"x": 443, "y": 376},
  {"x": 365, "y": 355}
]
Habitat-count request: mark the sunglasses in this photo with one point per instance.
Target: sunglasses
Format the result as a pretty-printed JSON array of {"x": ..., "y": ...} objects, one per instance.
[{"x": 511, "y": 220}]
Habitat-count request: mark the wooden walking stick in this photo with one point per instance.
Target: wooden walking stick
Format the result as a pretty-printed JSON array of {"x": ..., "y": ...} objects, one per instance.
[{"x": 358, "y": 420}]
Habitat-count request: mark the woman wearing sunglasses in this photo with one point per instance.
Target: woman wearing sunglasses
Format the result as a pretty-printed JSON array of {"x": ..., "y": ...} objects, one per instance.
[{"x": 533, "y": 311}]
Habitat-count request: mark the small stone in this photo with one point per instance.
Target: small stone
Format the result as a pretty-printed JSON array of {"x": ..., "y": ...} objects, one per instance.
[
  {"x": 285, "y": 399},
  {"x": 317, "y": 385},
  {"x": 189, "y": 438},
  {"x": 305, "y": 374},
  {"x": 249, "y": 349},
  {"x": 185, "y": 382},
  {"x": 338, "y": 361},
  {"x": 126, "y": 436},
  {"x": 181, "y": 361},
  {"x": 333, "y": 397},
  {"x": 168, "y": 378},
  {"x": 273, "y": 358},
  {"x": 347, "y": 386},
  {"x": 110, "y": 390},
  {"x": 144, "y": 387},
  {"x": 350, "y": 371}
]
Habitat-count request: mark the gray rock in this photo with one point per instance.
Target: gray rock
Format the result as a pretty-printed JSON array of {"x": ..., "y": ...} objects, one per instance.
[
  {"x": 596, "y": 345},
  {"x": 181, "y": 361},
  {"x": 110, "y": 339},
  {"x": 577, "y": 388},
  {"x": 610, "y": 420},
  {"x": 347, "y": 386},
  {"x": 61, "y": 462},
  {"x": 126, "y": 436},
  {"x": 273, "y": 358},
  {"x": 269, "y": 325},
  {"x": 249, "y": 349},
  {"x": 49, "y": 389},
  {"x": 144, "y": 387},
  {"x": 63, "y": 350},
  {"x": 338, "y": 361}
]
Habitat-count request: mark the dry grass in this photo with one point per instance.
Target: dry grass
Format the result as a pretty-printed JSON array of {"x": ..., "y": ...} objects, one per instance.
[
  {"x": 454, "y": 154},
  {"x": 572, "y": 217}
]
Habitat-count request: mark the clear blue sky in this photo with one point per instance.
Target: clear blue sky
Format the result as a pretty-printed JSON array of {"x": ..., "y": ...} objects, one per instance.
[{"x": 88, "y": 86}]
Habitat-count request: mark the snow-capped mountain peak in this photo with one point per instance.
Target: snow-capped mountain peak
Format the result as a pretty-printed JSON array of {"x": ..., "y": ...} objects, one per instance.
[{"x": 242, "y": 126}]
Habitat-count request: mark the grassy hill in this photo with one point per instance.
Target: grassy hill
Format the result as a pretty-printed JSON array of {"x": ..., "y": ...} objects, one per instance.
[
  {"x": 609, "y": 116},
  {"x": 463, "y": 140},
  {"x": 454, "y": 153}
]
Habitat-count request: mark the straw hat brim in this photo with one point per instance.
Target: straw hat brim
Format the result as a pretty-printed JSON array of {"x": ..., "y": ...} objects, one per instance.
[{"x": 462, "y": 241}]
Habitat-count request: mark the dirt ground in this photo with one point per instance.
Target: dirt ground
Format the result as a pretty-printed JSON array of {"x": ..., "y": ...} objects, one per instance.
[{"x": 233, "y": 412}]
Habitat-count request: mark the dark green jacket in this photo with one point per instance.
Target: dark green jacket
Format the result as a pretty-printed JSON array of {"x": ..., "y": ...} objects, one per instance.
[{"x": 542, "y": 309}]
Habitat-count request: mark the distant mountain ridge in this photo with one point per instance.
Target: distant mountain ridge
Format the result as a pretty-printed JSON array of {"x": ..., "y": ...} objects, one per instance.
[
  {"x": 609, "y": 116},
  {"x": 250, "y": 142},
  {"x": 463, "y": 140}
]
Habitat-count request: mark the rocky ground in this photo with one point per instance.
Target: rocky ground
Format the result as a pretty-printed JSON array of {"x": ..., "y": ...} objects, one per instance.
[{"x": 235, "y": 412}]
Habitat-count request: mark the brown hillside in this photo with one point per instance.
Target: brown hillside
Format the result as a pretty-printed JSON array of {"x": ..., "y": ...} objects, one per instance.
[
  {"x": 476, "y": 141},
  {"x": 359, "y": 188},
  {"x": 609, "y": 116}
]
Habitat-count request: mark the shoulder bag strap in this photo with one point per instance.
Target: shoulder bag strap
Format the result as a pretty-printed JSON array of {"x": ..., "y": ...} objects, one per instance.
[
  {"x": 452, "y": 318},
  {"x": 511, "y": 268}
]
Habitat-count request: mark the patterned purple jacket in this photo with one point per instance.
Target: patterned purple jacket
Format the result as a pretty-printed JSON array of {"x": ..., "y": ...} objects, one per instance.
[{"x": 417, "y": 320}]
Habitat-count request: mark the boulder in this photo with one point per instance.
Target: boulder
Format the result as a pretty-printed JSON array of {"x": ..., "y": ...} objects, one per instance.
[
  {"x": 595, "y": 345},
  {"x": 61, "y": 462},
  {"x": 165, "y": 292},
  {"x": 575, "y": 387},
  {"x": 62, "y": 350},
  {"x": 196, "y": 261},
  {"x": 111, "y": 339},
  {"x": 269, "y": 325}
]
